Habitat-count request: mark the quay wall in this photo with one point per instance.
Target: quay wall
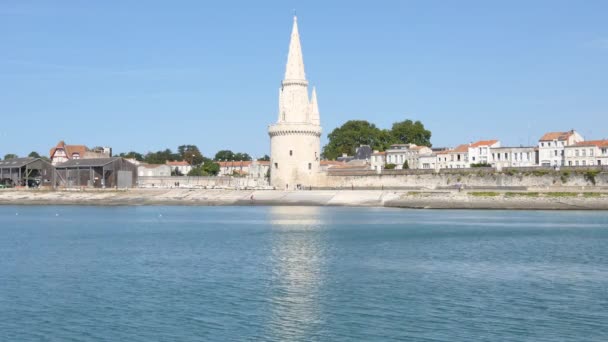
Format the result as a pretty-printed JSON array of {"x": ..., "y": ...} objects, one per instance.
[{"x": 471, "y": 179}]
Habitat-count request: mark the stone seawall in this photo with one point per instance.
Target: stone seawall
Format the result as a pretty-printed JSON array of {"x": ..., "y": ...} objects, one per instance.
[{"x": 532, "y": 179}]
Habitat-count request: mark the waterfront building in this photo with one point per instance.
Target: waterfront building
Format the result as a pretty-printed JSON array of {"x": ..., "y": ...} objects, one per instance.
[
  {"x": 398, "y": 154},
  {"x": 551, "y": 147},
  {"x": 180, "y": 167},
  {"x": 587, "y": 153},
  {"x": 457, "y": 158},
  {"x": 378, "y": 160},
  {"x": 513, "y": 157},
  {"x": 254, "y": 169},
  {"x": 153, "y": 170},
  {"x": 428, "y": 162},
  {"x": 63, "y": 153},
  {"x": 295, "y": 139},
  {"x": 479, "y": 152}
]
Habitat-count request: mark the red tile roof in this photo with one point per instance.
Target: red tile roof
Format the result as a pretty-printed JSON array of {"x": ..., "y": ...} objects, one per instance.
[
  {"x": 178, "y": 163},
  {"x": 69, "y": 149},
  {"x": 598, "y": 143},
  {"x": 556, "y": 136},
  {"x": 484, "y": 143}
]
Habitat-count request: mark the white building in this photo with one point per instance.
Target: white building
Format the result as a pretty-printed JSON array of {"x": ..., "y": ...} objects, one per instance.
[
  {"x": 429, "y": 162},
  {"x": 180, "y": 167},
  {"x": 153, "y": 170},
  {"x": 479, "y": 152},
  {"x": 551, "y": 147},
  {"x": 295, "y": 139},
  {"x": 513, "y": 157},
  {"x": 252, "y": 169},
  {"x": 457, "y": 158},
  {"x": 398, "y": 154},
  {"x": 377, "y": 161},
  {"x": 587, "y": 153}
]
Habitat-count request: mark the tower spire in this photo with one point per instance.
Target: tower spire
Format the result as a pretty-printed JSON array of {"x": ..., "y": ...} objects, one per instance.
[{"x": 295, "y": 61}]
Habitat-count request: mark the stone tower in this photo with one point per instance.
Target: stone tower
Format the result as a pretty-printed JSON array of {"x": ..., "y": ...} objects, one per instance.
[{"x": 295, "y": 139}]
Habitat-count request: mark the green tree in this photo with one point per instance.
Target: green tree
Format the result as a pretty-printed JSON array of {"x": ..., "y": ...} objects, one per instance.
[
  {"x": 34, "y": 154},
  {"x": 410, "y": 132},
  {"x": 406, "y": 165},
  {"x": 132, "y": 155},
  {"x": 208, "y": 168},
  {"x": 242, "y": 157},
  {"x": 264, "y": 158},
  {"x": 161, "y": 157},
  {"x": 390, "y": 166},
  {"x": 191, "y": 154},
  {"x": 10, "y": 156},
  {"x": 352, "y": 134},
  {"x": 225, "y": 155}
]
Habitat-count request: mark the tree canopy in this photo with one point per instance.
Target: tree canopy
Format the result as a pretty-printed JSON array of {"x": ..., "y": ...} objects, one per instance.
[
  {"x": 264, "y": 158},
  {"x": 227, "y": 155},
  {"x": 208, "y": 168},
  {"x": 191, "y": 154},
  {"x": 354, "y": 133},
  {"x": 161, "y": 157},
  {"x": 132, "y": 155},
  {"x": 10, "y": 156},
  {"x": 410, "y": 132}
]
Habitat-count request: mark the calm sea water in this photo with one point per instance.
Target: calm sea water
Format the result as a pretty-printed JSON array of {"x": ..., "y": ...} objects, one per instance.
[{"x": 301, "y": 274}]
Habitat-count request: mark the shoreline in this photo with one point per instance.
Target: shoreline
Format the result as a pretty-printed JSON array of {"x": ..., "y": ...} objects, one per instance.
[{"x": 498, "y": 200}]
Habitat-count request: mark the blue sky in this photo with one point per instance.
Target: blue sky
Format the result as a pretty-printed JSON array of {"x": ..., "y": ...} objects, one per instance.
[{"x": 148, "y": 75}]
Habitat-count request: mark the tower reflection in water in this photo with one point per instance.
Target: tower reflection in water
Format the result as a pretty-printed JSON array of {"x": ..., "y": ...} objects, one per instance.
[{"x": 298, "y": 259}]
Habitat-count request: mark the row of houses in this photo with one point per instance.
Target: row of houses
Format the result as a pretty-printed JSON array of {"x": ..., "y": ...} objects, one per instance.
[{"x": 554, "y": 149}]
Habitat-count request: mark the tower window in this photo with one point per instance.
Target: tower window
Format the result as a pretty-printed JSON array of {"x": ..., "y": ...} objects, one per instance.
[
  {"x": 290, "y": 153},
  {"x": 310, "y": 166},
  {"x": 276, "y": 165}
]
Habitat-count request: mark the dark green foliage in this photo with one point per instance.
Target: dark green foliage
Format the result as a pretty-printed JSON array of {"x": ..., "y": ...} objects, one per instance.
[
  {"x": 208, "y": 168},
  {"x": 132, "y": 155},
  {"x": 191, "y": 154},
  {"x": 161, "y": 157},
  {"x": 410, "y": 132},
  {"x": 227, "y": 155},
  {"x": 34, "y": 154},
  {"x": 406, "y": 165},
  {"x": 354, "y": 133},
  {"x": 481, "y": 165},
  {"x": 10, "y": 156},
  {"x": 264, "y": 158},
  {"x": 390, "y": 166}
]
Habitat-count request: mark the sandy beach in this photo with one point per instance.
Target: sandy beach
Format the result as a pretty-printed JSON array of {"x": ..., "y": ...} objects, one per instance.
[{"x": 366, "y": 198}]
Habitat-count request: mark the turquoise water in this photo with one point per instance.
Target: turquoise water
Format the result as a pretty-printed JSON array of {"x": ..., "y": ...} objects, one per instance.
[{"x": 301, "y": 274}]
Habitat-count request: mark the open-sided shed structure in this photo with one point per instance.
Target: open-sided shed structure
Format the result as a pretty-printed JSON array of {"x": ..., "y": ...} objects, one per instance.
[
  {"x": 26, "y": 172},
  {"x": 97, "y": 173}
]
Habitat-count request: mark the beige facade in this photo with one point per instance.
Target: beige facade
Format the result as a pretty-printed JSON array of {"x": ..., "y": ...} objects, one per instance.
[
  {"x": 457, "y": 158},
  {"x": 398, "y": 154},
  {"x": 512, "y": 157},
  {"x": 295, "y": 144},
  {"x": 587, "y": 153}
]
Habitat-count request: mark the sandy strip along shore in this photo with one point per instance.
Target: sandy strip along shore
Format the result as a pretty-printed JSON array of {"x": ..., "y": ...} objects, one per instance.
[{"x": 367, "y": 198}]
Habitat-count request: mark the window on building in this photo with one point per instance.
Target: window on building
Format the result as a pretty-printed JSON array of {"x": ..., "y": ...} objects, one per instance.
[
  {"x": 290, "y": 153},
  {"x": 584, "y": 163},
  {"x": 584, "y": 153},
  {"x": 576, "y": 163},
  {"x": 473, "y": 158},
  {"x": 591, "y": 152},
  {"x": 570, "y": 163},
  {"x": 506, "y": 156},
  {"x": 542, "y": 144},
  {"x": 605, "y": 151},
  {"x": 276, "y": 165},
  {"x": 555, "y": 152},
  {"x": 310, "y": 166}
]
